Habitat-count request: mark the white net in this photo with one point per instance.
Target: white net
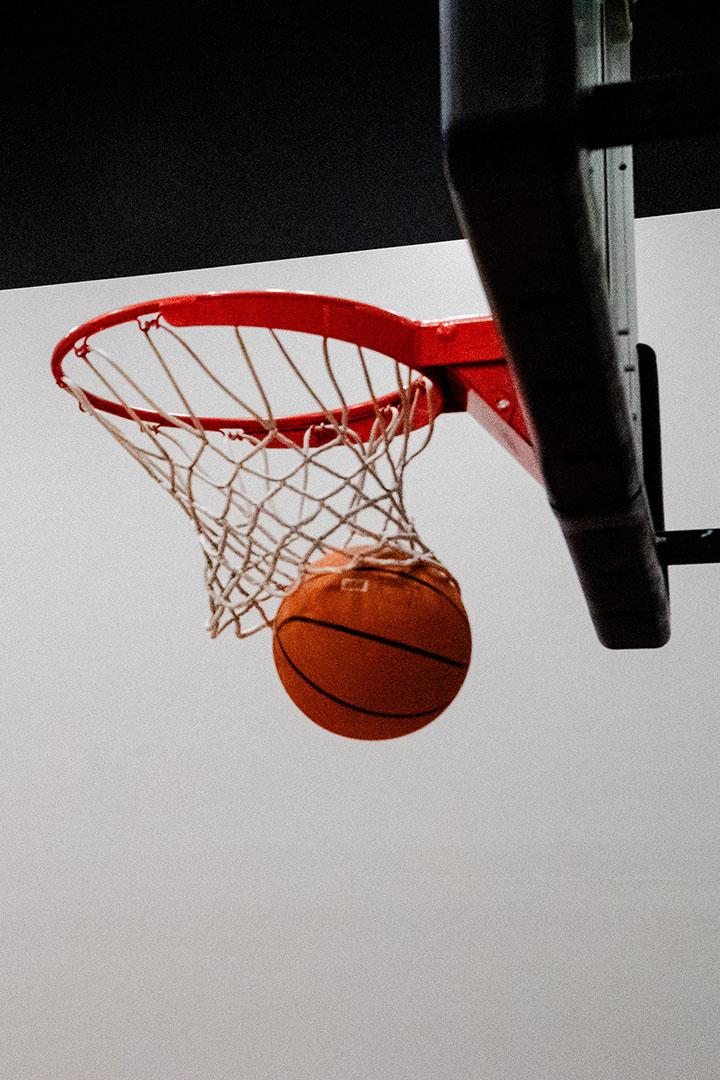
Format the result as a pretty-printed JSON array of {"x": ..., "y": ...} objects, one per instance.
[{"x": 265, "y": 502}]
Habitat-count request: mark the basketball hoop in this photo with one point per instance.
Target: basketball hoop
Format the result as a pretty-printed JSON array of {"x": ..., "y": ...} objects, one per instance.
[{"x": 269, "y": 491}]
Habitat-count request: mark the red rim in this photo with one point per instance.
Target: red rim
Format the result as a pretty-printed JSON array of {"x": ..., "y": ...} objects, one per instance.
[{"x": 421, "y": 346}]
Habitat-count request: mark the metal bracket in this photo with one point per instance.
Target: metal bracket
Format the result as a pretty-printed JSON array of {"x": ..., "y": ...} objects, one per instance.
[{"x": 683, "y": 547}]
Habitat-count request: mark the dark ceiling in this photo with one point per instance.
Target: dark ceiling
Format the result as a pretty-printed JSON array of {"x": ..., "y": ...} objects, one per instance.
[{"x": 144, "y": 138}]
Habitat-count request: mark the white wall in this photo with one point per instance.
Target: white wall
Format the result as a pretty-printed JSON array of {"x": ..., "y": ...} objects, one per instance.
[{"x": 197, "y": 882}]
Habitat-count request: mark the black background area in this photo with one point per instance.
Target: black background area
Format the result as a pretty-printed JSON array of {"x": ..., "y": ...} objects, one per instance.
[{"x": 145, "y": 138}]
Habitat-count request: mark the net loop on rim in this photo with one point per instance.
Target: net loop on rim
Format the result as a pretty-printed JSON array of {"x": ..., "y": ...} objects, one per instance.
[{"x": 268, "y": 493}]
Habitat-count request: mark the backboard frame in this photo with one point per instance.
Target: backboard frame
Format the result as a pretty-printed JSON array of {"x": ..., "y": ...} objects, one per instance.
[{"x": 549, "y": 222}]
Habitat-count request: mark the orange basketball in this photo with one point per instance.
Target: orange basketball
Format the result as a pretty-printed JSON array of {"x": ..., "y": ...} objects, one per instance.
[{"x": 376, "y": 651}]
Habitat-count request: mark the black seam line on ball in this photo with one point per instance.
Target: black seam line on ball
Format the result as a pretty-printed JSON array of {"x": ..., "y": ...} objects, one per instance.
[
  {"x": 373, "y": 637},
  {"x": 409, "y": 576},
  {"x": 358, "y": 708}
]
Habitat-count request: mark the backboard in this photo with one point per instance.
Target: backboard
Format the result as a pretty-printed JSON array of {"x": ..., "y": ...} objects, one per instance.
[{"x": 548, "y": 208}]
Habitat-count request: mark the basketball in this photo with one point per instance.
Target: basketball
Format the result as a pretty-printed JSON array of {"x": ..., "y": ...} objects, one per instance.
[{"x": 376, "y": 651}]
